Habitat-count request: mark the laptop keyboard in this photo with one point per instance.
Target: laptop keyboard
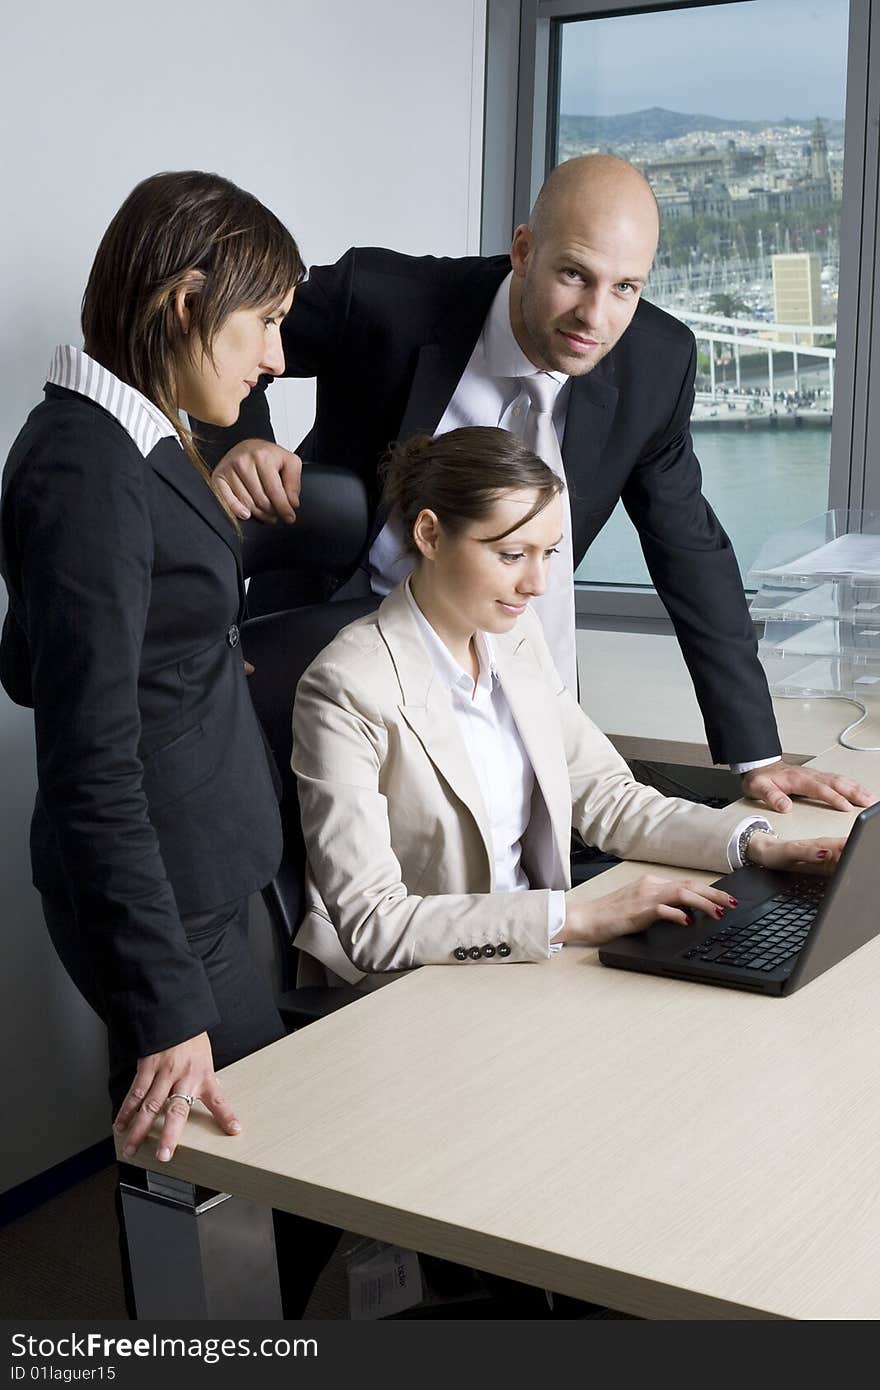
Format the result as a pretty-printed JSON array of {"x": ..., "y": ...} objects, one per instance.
[{"x": 769, "y": 940}]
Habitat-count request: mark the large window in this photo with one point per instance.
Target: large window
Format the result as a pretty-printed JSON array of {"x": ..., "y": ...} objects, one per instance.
[{"x": 736, "y": 113}]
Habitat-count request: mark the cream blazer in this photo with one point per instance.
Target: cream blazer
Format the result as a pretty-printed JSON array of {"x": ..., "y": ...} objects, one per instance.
[{"x": 400, "y": 865}]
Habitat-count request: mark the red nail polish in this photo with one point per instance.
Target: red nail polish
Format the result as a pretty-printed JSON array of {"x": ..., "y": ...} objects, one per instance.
[
  {"x": 733, "y": 902},
  {"x": 719, "y": 912},
  {"x": 822, "y": 854}
]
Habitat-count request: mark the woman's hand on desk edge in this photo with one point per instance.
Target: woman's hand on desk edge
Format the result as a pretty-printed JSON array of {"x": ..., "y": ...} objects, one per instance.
[
  {"x": 184, "y": 1070},
  {"x": 593, "y": 921}
]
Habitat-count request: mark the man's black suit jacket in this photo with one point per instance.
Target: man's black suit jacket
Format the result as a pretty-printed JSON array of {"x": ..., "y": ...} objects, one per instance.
[
  {"x": 155, "y": 795},
  {"x": 388, "y": 337}
]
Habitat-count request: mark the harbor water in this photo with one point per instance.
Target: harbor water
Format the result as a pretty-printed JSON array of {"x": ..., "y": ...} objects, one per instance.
[{"x": 757, "y": 480}]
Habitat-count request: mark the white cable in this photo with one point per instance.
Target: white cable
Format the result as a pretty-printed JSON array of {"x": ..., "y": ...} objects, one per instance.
[{"x": 841, "y": 737}]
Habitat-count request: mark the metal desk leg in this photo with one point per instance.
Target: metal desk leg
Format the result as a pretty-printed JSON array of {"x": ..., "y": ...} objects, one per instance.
[{"x": 199, "y": 1254}]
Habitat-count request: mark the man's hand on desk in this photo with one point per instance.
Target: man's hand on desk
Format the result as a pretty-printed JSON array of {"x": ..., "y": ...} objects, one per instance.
[
  {"x": 259, "y": 479},
  {"x": 775, "y": 785}
]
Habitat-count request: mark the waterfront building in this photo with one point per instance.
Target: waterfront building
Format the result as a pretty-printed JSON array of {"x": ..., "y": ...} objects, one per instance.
[{"x": 797, "y": 291}]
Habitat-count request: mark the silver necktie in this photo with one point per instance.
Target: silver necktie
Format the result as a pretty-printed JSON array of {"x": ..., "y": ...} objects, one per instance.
[{"x": 555, "y": 606}]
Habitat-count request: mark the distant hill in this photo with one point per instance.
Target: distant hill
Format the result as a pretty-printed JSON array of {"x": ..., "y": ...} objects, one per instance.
[{"x": 656, "y": 124}]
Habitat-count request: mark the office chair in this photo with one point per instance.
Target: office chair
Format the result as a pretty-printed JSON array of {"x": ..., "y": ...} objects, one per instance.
[
  {"x": 291, "y": 565},
  {"x": 324, "y": 543}
]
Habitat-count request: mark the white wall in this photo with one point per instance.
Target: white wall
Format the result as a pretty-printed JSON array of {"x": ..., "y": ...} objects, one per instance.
[{"x": 358, "y": 122}]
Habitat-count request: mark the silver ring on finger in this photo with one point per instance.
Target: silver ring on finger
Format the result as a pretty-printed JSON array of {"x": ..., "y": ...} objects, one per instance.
[{"x": 181, "y": 1095}]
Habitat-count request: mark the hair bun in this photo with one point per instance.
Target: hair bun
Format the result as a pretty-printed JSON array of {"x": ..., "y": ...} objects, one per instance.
[
  {"x": 459, "y": 476},
  {"x": 405, "y": 465}
]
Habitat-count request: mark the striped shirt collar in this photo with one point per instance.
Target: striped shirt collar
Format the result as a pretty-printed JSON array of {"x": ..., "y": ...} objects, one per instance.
[{"x": 141, "y": 419}]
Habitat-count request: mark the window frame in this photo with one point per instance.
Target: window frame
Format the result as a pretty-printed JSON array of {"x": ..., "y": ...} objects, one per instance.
[{"x": 522, "y": 77}]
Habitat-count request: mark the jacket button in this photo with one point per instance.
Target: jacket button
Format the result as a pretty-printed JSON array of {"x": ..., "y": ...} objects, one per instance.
[
  {"x": 460, "y": 953},
  {"x": 475, "y": 953},
  {"x": 503, "y": 948},
  {"x": 232, "y": 635},
  {"x": 489, "y": 951}
]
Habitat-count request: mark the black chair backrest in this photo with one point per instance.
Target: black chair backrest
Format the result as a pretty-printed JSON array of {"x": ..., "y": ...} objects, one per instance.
[
  {"x": 298, "y": 563},
  {"x": 293, "y": 564},
  {"x": 280, "y": 647}
]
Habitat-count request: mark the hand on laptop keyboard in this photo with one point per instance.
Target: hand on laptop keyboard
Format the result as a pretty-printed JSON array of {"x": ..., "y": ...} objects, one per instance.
[{"x": 593, "y": 921}]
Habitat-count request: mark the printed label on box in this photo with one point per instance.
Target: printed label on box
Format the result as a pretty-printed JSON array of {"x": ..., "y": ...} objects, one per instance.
[{"x": 382, "y": 1279}]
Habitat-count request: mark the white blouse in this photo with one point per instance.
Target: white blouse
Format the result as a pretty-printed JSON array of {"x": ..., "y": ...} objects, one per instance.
[{"x": 500, "y": 762}]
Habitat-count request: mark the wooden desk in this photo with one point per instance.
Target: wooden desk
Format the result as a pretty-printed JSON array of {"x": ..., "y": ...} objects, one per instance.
[
  {"x": 637, "y": 689},
  {"x": 665, "y": 1148}
]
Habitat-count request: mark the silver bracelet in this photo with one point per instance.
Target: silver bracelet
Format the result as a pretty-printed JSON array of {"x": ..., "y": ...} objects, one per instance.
[{"x": 742, "y": 847}]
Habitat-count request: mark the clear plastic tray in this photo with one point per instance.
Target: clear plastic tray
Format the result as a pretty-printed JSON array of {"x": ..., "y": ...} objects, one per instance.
[
  {"x": 839, "y": 544},
  {"x": 794, "y": 673},
  {"x": 829, "y": 637},
  {"x": 849, "y": 600}
]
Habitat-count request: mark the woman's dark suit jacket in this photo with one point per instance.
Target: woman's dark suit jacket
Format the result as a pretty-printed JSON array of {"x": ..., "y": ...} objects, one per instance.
[{"x": 155, "y": 794}]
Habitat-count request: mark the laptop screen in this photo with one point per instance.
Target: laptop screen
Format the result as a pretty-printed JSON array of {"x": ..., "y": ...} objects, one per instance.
[{"x": 850, "y": 914}]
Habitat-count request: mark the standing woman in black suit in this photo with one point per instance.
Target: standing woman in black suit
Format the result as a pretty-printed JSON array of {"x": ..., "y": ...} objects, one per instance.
[{"x": 156, "y": 814}]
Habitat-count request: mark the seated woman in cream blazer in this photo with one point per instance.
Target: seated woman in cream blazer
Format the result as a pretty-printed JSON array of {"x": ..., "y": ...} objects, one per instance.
[{"x": 441, "y": 762}]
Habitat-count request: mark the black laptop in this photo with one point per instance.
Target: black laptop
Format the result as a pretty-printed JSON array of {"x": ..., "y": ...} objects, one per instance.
[{"x": 788, "y": 928}]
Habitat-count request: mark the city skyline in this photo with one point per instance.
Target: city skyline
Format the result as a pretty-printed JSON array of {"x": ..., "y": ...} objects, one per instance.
[{"x": 733, "y": 121}]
